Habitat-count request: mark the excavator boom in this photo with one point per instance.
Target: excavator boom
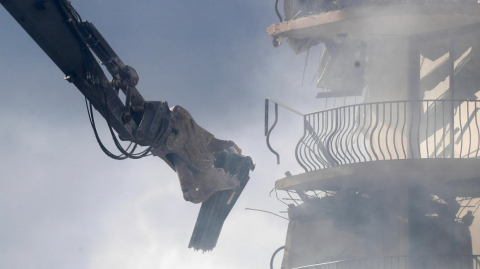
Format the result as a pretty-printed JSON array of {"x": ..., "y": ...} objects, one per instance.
[{"x": 211, "y": 171}]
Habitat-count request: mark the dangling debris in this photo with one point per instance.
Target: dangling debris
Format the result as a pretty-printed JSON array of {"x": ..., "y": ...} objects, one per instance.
[{"x": 215, "y": 210}]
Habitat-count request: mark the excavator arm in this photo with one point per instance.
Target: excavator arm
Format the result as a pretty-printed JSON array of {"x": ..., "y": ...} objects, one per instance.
[{"x": 211, "y": 171}]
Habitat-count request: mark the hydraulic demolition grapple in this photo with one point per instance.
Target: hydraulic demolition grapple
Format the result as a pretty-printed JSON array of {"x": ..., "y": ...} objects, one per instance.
[{"x": 211, "y": 171}]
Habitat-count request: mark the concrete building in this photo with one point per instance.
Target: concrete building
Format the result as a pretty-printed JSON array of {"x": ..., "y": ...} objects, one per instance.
[{"x": 394, "y": 180}]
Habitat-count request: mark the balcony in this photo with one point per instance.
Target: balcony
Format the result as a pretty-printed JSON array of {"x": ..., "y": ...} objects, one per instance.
[
  {"x": 403, "y": 262},
  {"x": 378, "y": 143},
  {"x": 318, "y": 20}
]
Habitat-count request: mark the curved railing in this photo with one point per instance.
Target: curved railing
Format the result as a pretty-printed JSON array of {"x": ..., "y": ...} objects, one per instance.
[
  {"x": 395, "y": 130},
  {"x": 403, "y": 262}
]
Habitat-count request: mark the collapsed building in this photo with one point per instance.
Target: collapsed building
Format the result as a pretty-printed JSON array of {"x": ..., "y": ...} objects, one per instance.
[{"x": 391, "y": 181}]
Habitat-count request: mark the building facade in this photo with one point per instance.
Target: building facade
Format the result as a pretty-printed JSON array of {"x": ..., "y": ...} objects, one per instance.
[{"x": 393, "y": 180}]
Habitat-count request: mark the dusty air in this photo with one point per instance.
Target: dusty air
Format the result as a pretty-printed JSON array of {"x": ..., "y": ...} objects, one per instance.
[{"x": 346, "y": 136}]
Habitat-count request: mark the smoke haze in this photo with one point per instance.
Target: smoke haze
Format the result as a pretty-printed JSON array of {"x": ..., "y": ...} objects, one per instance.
[{"x": 64, "y": 204}]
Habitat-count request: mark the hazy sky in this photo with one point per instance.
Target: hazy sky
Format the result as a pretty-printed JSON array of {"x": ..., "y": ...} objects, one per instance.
[{"x": 64, "y": 204}]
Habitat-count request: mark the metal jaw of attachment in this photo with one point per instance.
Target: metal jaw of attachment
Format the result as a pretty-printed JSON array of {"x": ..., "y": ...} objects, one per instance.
[
  {"x": 195, "y": 154},
  {"x": 190, "y": 150}
]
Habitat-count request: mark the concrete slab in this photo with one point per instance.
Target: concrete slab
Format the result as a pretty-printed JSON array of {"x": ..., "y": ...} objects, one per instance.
[
  {"x": 379, "y": 21},
  {"x": 390, "y": 174}
]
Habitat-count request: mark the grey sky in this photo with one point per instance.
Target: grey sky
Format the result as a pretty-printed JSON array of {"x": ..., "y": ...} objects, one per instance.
[{"x": 64, "y": 204}]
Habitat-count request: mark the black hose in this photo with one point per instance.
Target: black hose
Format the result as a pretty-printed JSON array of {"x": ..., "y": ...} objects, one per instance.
[
  {"x": 77, "y": 27},
  {"x": 273, "y": 256},
  {"x": 276, "y": 10},
  {"x": 92, "y": 122},
  {"x": 117, "y": 143}
]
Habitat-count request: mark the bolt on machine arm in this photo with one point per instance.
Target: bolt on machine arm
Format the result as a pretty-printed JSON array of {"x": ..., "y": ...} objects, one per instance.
[{"x": 211, "y": 171}]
